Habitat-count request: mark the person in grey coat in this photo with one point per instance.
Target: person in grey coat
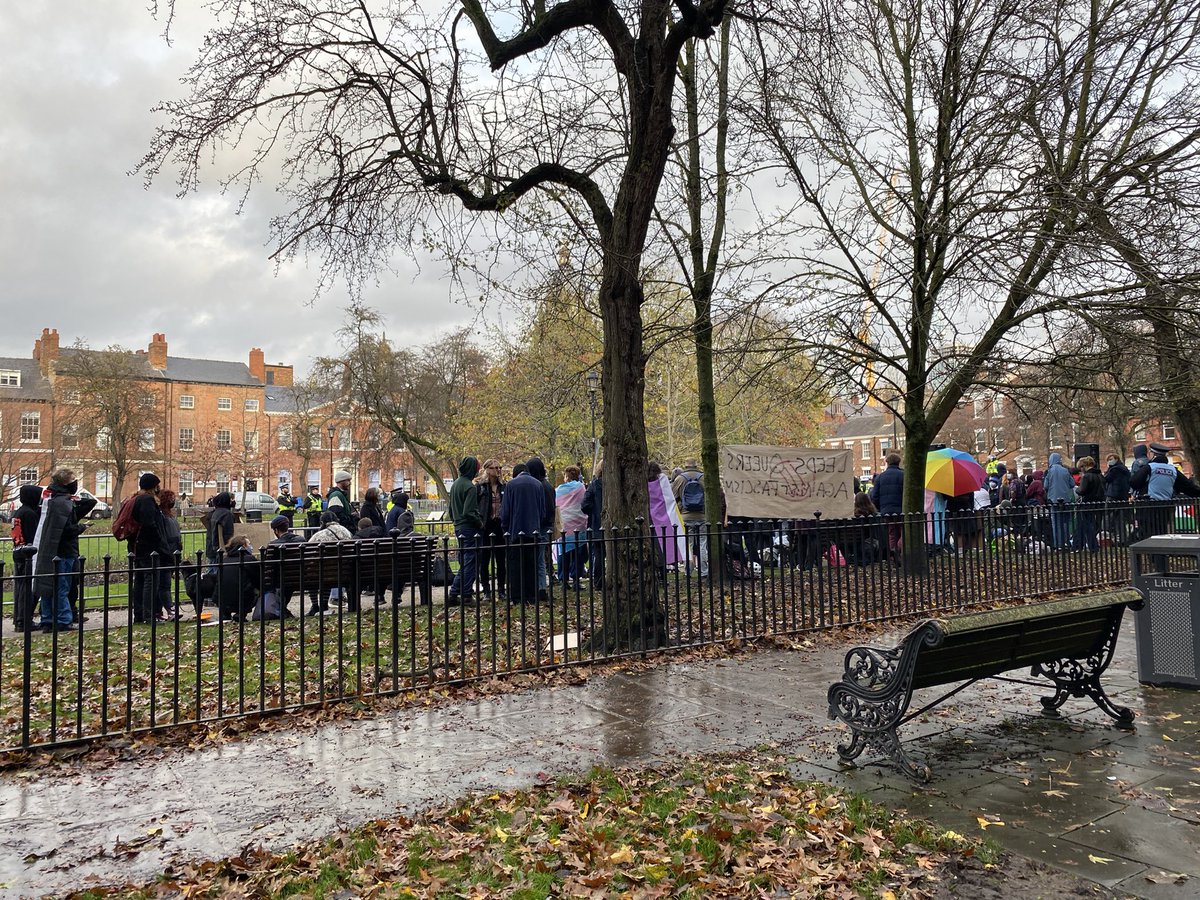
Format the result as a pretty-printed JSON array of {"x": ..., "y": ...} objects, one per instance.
[{"x": 57, "y": 542}]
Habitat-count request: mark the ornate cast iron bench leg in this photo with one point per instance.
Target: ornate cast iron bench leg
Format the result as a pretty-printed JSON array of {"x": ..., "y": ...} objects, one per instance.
[
  {"x": 871, "y": 699},
  {"x": 1081, "y": 678}
]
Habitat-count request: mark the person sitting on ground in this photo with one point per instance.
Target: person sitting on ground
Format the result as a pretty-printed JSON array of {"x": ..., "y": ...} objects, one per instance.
[
  {"x": 237, "y": 579},
  {"x": 862, "y": 542},
  {"x": 400, "y": 518}
]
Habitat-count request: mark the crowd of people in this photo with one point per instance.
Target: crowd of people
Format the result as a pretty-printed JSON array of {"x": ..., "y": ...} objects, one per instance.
[{"x": 517, "y": 535}]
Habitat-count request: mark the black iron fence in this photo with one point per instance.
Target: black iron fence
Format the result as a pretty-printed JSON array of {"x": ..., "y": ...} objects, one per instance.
[{"x": 169, "y": 642}]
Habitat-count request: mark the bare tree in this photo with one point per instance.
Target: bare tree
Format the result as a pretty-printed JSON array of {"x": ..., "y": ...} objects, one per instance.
[
  {"x": 117, "y": 408},
  {"x": 949, "y": 159},
  {"x": 414, "y": 396},
  {"x": 385, "y": 116}
]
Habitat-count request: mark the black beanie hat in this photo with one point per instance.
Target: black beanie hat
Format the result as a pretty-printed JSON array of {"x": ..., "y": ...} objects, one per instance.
[{"x": 148, "y": 482}]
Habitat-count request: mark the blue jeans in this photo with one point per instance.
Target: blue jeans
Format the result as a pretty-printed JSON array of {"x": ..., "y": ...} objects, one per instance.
[
  {"x": 1060, "y": 524},
  {"x": 464, "y": 579},
  {"x": 56, "y": 607}
]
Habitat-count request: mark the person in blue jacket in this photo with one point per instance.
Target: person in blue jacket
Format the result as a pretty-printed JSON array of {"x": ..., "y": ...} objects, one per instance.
[
  {"x": 1060, "y": 493},
  {"x": 887, "y": 493}
]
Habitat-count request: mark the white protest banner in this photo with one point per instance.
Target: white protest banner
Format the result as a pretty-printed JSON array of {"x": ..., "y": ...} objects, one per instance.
[{"x": 786, "y": 482}]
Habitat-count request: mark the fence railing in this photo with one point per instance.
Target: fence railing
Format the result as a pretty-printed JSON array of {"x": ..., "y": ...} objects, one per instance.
[{"x": 299, "y": 625}]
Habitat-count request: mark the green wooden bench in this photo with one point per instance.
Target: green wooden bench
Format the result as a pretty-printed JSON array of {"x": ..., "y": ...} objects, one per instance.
[{"x": 1068, "y": 641}]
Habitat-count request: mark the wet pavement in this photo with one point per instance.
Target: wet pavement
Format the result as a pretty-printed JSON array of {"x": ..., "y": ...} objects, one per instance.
[{"x": 1118, "y": 808}]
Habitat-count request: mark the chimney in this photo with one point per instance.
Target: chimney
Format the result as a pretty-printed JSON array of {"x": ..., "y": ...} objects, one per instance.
[
  {"x": 45, "y": 349},
  {"x": 258, "y": 368},
  {"x": 158, "y": 351}
]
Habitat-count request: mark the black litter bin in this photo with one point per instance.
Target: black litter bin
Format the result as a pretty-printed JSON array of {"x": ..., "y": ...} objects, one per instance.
[
  {"x": 253, "y": 515},
  {"x": 1166, "y": 569}
]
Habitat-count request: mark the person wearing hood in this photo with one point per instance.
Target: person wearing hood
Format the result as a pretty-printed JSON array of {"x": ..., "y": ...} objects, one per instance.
[
  {"x": 237, "y": 584},
  {"x": 25, "y": 523},
  {"x": 1060, "y": 491},
  {"x": 523, "y": 515},
  {"x": 399, "y": 518},
  {"x": 57, "y": 543},
  {"x": 218, "y": 525},
  {"x": 1141, "y": 459},
  {"x": 537, "y": 469},
  {"x": 464, "y": 512},
  {"x": 173, "y": 537}
]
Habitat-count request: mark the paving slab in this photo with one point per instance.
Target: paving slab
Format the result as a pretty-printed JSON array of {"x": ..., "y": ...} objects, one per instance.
[{"x": 1130, "y": 799}]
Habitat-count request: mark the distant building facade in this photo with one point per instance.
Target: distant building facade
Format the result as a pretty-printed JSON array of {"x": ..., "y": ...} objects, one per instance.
[{"x": 202, "y": 425}]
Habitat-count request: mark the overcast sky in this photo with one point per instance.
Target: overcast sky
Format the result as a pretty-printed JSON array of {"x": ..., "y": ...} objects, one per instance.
[{"x": 87, "y": 249}]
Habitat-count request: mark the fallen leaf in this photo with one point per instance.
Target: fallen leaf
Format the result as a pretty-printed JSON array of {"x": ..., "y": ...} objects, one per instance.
[
  {"x": 985, "y": 824},
  {"x": 1102, "y": 860},
  {"x": 622, "y": 856},
  {"x": 1054, "y": 793}
]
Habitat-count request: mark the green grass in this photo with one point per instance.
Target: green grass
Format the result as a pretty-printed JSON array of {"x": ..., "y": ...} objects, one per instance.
[{"x": 127, "y": 678}]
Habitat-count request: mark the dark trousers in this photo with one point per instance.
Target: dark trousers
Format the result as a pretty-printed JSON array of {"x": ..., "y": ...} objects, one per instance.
[
  {"x": 24, "y": 599},
  {"x": 521, "y": 569},
  {"x": 596, "y": 549},
  {"x": 492, "y": 557},
  {"x": 145, "y": 590}
]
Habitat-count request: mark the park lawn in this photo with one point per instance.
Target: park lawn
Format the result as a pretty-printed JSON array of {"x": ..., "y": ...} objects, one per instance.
[
  {"x": 704, "y": 826},
  {"x": 184, "y": 671}
]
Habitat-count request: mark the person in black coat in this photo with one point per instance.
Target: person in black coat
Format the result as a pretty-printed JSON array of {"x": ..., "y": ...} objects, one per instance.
[
  {"x": 149, "y": 548},
  {"x": 371, "y": 508},
  {"x": 237, "y": 579},
  {"x": 57, "y": 541},
  {"x": 593, "y": 506},
  {"x": 25, "y": 523},
  {"x": 218, "y": 525},
  {"x": 1118, "y": 514}
]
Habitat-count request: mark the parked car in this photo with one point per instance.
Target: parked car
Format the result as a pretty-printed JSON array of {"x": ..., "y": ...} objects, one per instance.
[
  {"x": 101, "y": 510},
  {"x": 256, "y": 501}
]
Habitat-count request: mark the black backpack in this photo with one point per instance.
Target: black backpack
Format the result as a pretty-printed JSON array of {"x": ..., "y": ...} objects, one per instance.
[{"x": 692, "y": 495}]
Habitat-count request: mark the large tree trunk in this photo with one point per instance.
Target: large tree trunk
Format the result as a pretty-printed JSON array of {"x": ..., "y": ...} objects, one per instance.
[{"x": 710, "y": 456}]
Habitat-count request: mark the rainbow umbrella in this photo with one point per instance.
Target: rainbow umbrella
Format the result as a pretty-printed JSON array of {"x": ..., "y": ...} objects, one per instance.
[{"x": 952, "y": 472}]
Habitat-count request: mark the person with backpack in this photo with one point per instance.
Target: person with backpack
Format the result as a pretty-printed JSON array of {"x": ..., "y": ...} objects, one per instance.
[
  {"x": 688, "y": 488},
  {"x": 24, "y": 528}
]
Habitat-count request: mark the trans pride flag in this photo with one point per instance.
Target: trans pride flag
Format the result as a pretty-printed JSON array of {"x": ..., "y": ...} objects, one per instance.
[{"x": 664, "y": 515}]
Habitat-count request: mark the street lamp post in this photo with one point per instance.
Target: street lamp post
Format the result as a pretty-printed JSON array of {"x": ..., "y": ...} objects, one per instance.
[
  {"x": 593, "y": 384},
  {"x": 331, "y": 431}
]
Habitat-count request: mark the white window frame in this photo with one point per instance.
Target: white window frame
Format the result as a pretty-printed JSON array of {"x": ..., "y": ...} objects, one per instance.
[
  {"x": 981, "y": 440},
  {"x": 31, "y": 427},
  {"x": 979, "y": 407},
  {"x": 10, "y": 377},
  {"x": 69, "y": 437},
  {"x": 146, "y": 439},
  {"x": 27, "y": 475},
  {"x": 345, "y": 438},
  {"x": 998, "y": 406},
  {"x": 284, "y": 477},
  {"x": 187, "y": 401},
  {"x": 314, "y": 477},
  {"x": 865, "y": 449},
  {"x": 283, "y": 437},
  {"x": 1055, "y": 436},
  {"x": 187, "y": 481},
  {"x": 103, "y": 481},
  {"x": 251, "y": 405},
  {"x": 1024, "y": 431},
  {"x": 73, "y": 397},
  {"x": 373, "y": 478},
  {"x": 187, "y": 440},
  {"x": 103, "y": 438},
  {"x": 250, "y": 440},
  {"x": 224, "y": 438},
  {"x": 1169, "y": 431},
  {"x": 1139, "y": 433},
  {"x": 998, "y": 442},
  {"x": 221, "y": 481},
  {"x": 224, "y": 404}
]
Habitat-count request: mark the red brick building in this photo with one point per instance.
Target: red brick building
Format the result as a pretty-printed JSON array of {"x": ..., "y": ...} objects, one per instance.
[{"x": 202, "y": 425}]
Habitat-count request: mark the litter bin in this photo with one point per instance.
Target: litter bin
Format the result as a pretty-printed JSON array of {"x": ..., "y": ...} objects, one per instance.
[
  {"x": 1166, "y": 569},
  {"x": 254, "y": 515}
]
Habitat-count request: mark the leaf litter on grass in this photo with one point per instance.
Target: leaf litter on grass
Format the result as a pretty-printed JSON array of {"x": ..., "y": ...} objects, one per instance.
[{"x": 698, "y": 827}]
